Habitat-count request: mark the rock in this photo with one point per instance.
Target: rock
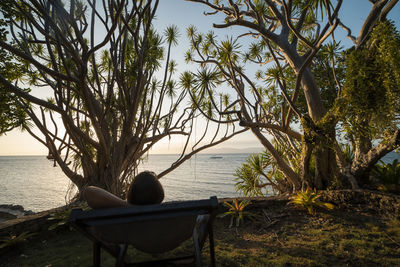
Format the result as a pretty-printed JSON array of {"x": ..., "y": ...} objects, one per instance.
[
  {"x": 12, "y": 207},
  {"x": 9, "y": 211}
]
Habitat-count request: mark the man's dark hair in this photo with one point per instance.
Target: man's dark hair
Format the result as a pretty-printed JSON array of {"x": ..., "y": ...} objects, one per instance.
[{"x": 145, "y": 189}]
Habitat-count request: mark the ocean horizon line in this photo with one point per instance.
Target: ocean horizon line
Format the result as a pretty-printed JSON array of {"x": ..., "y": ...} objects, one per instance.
[{"x": 177, "y": 154}]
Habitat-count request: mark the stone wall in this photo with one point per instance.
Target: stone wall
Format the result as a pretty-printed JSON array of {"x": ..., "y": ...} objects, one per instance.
[
  {"x": 385, "y": 204},
  {"x": 29, "y": 223},
  {"x": 374, "y": 201}
]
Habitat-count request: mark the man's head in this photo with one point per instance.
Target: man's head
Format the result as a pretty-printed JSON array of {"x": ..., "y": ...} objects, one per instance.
[{"x": 145, "y": 189}]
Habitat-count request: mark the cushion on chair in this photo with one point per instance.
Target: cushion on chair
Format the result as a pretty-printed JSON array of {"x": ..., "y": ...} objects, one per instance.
[{"x": 156, "y": 236}]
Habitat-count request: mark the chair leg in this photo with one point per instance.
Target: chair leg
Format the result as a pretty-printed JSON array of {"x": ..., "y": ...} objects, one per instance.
[
  {"x": 96, "y": 254},
  {"x": 197, "y": 249},
  {"x": 121, "y": 256},
  {"x": 212, "y": 249}
]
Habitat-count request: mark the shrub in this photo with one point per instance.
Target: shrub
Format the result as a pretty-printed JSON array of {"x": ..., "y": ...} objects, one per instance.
[
  {"x": 387, "y": 176},
  {"x": 309, "y": 200},
  {"x": 236, "y": 211}
]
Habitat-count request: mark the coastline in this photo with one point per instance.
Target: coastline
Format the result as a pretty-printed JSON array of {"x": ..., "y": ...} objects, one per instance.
[{"x": 10, "y": 211}]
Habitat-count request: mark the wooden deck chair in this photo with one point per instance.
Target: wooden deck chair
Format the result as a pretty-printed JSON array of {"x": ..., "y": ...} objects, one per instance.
[{"x": 149, "y": 228}]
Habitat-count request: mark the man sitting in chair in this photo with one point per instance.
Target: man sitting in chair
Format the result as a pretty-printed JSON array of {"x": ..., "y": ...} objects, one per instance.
[
  {"x": 151, "y": 229},
  {"x": 145, "y": 189}
]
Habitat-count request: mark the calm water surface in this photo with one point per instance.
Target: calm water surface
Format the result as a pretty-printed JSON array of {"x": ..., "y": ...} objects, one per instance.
[{"x": 33, "y": 182}]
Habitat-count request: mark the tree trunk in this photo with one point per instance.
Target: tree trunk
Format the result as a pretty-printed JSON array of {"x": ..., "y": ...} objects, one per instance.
[
  {"x": 319, "y": 140},
  {"x": 104, "y": 176},
  {"x": 361, "y": 169},
  {"x": 292, "y": 176},
  {"x": 325, "y": 159},
  {"x": 364, "y": 160},
  {"x": 326, "y": 171},
  {"x": 306, "y": 153}
]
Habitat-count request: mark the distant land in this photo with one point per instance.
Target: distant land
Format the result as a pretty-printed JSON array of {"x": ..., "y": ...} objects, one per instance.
[
  {"x": 249, "y": 150},
  {"x": 232, "y": 150},
  {"x": 227, "y": 150}
]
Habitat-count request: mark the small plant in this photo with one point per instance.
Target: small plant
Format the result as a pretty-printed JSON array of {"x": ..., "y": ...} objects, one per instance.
[
  {"x": 61, "y": 217},
  {"x": 388, "y": 176},
  {"x": 15, "y": 240},
  {"x": 309, "y": 200},
  {"x": 236, "y": 211}
]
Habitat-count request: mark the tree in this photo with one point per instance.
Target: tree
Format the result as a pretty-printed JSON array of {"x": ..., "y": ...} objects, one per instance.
[
  {"x": 100, "y": 60},
  {"x": 12, "y": 114},
  {"x": 307, "y": 91}
]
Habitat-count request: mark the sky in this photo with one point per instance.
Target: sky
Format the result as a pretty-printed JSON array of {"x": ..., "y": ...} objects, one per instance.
[{"x": 184, "y": 14}]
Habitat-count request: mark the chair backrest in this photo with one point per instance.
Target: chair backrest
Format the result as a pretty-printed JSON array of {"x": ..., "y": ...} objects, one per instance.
[{"x": 150, "y": 228}]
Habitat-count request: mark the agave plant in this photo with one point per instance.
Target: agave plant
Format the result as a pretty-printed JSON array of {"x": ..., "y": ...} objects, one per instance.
[
  {"x": 309, "y": 200},
  {"x": 236, "y": 211}
]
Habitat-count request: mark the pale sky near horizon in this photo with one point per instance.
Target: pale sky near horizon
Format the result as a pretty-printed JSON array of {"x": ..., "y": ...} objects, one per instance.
[{"x": 183, "y": 14}]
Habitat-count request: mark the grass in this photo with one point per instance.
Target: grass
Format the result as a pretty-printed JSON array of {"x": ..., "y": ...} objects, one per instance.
[
  {"x": 276, "y": 236},
  {"x": 336, "y": 238}
]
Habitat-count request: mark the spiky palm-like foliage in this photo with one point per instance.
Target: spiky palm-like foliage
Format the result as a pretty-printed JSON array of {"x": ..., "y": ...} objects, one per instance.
[
  {"x": 388, "y": 176},
  {"x": 236, "y": 211},
  {"x": 309, "y": 200}
]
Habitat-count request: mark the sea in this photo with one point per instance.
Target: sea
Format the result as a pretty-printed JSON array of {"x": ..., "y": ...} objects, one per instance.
[{"x": 33, "y": 182}]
